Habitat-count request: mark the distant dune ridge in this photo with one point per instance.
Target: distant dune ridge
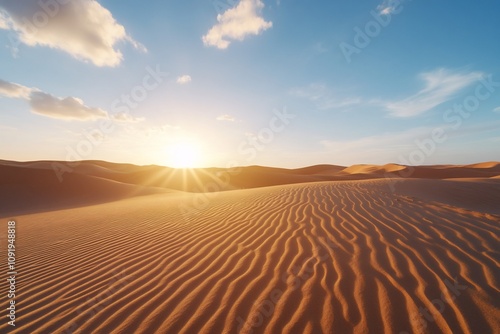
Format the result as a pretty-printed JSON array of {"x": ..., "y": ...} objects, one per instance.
[
  {"x": 36, "y": 186},
  {"x": 118, "y": 248}
]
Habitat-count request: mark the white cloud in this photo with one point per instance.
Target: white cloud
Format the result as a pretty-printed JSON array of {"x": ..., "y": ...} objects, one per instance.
[
  {"x": 226, "y": 118},
  {"x": 324, "y": 97},
  {"x": 386, "y": 10},
  {"x": 184, "y": 79},
  {"x": 13, "y": 90},
  {"x": 69, "y": 108},
  {"x": 497, "y": 109},
  {"x": 3, "y": 21},
  {"x": 84, "y": 29},
  {"x": 388, "y": 7},
  {"x": 441, "y": 85},
  {"x": 237, "y": 23}
]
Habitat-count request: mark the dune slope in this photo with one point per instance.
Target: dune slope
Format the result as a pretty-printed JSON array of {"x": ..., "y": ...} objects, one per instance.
[
  {"x": 24, "y": 190},
  {"x": 331, "y": 257}
]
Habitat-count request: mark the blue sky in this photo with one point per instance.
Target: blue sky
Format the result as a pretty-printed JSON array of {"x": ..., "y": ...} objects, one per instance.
[{"x": 277, "y": 83}]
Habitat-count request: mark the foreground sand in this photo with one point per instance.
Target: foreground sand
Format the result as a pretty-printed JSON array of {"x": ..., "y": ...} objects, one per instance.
[{"x": 331, "y": 257}]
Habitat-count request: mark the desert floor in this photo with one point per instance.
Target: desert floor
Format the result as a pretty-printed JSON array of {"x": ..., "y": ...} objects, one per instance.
[{"x": 381, "y": 255}]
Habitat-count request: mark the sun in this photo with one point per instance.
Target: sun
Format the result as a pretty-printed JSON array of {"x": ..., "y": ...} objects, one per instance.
[{"x": 183, "y": 154}]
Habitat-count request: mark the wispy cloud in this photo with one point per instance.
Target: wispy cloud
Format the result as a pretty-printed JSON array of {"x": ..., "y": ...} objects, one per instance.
[
  {"x": 378, "y": 148},
  {"x": 184, "y": 79},
  {"x": 84, "y": 29},
  {"x": 441, "y": 85},
  {"x": 3, "y": 21},
  {"x": 68, "y": 108},
  {"x": 386, "y": 147},
  {"x": 497, "y": 109},
  {"x": 226, "y": 118},
  {"x": 386, "y": 141},
  {"x": 13, "y": 90},
  {"x": 324, "y": 97},
  {"x": 237, "y": 23}
]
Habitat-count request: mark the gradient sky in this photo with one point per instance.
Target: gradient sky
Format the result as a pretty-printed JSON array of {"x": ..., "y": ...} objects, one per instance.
[{"x": 415, "y": 82}]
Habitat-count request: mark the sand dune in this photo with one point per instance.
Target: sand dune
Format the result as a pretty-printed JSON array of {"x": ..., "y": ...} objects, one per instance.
[
  {"x": 27, "y": 189},
  {"x": 373, "y": 169},
  {"x": 376, "y": 256},
  {"x": 424, "y": 172},
  {"x": 489, "y": 165},
  {"x": 481, "y": 195}
]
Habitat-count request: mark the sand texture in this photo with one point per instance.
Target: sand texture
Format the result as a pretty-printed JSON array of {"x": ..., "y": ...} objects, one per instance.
[{"x": 383, "y": 255}]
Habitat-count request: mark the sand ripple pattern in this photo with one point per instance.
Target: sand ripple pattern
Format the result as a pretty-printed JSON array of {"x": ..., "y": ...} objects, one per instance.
[{"x": 332, "y": 257}]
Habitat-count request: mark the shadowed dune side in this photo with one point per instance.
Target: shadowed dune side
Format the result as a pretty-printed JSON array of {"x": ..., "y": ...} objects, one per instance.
[
  {"x": 190, "y": 180},
  {"x": 481, "y": 195},
  {"x": 327, "y": 257},
  {"x": 453, "y": 172},
  {"x": 317, "y": 170},
  {"x": 255, "y": 177},
  {"x": 259, "y": 176},
  {"x": 87, "y": 167},
  {"x": 25, "y": 190},
  {"x": 47, "y": 185},
  {"x": 220, "y": 179}
]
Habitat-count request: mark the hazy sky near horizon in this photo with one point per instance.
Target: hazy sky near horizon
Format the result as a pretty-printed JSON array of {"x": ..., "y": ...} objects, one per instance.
[{"x": 250, "y": 82}]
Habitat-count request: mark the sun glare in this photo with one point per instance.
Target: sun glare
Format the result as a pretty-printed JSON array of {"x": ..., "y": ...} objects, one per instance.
[{"x": 183, "y": 155}]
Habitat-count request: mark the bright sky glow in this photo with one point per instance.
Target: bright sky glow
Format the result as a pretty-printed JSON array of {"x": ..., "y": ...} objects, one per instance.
[{"x": 199, "y": 83}]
